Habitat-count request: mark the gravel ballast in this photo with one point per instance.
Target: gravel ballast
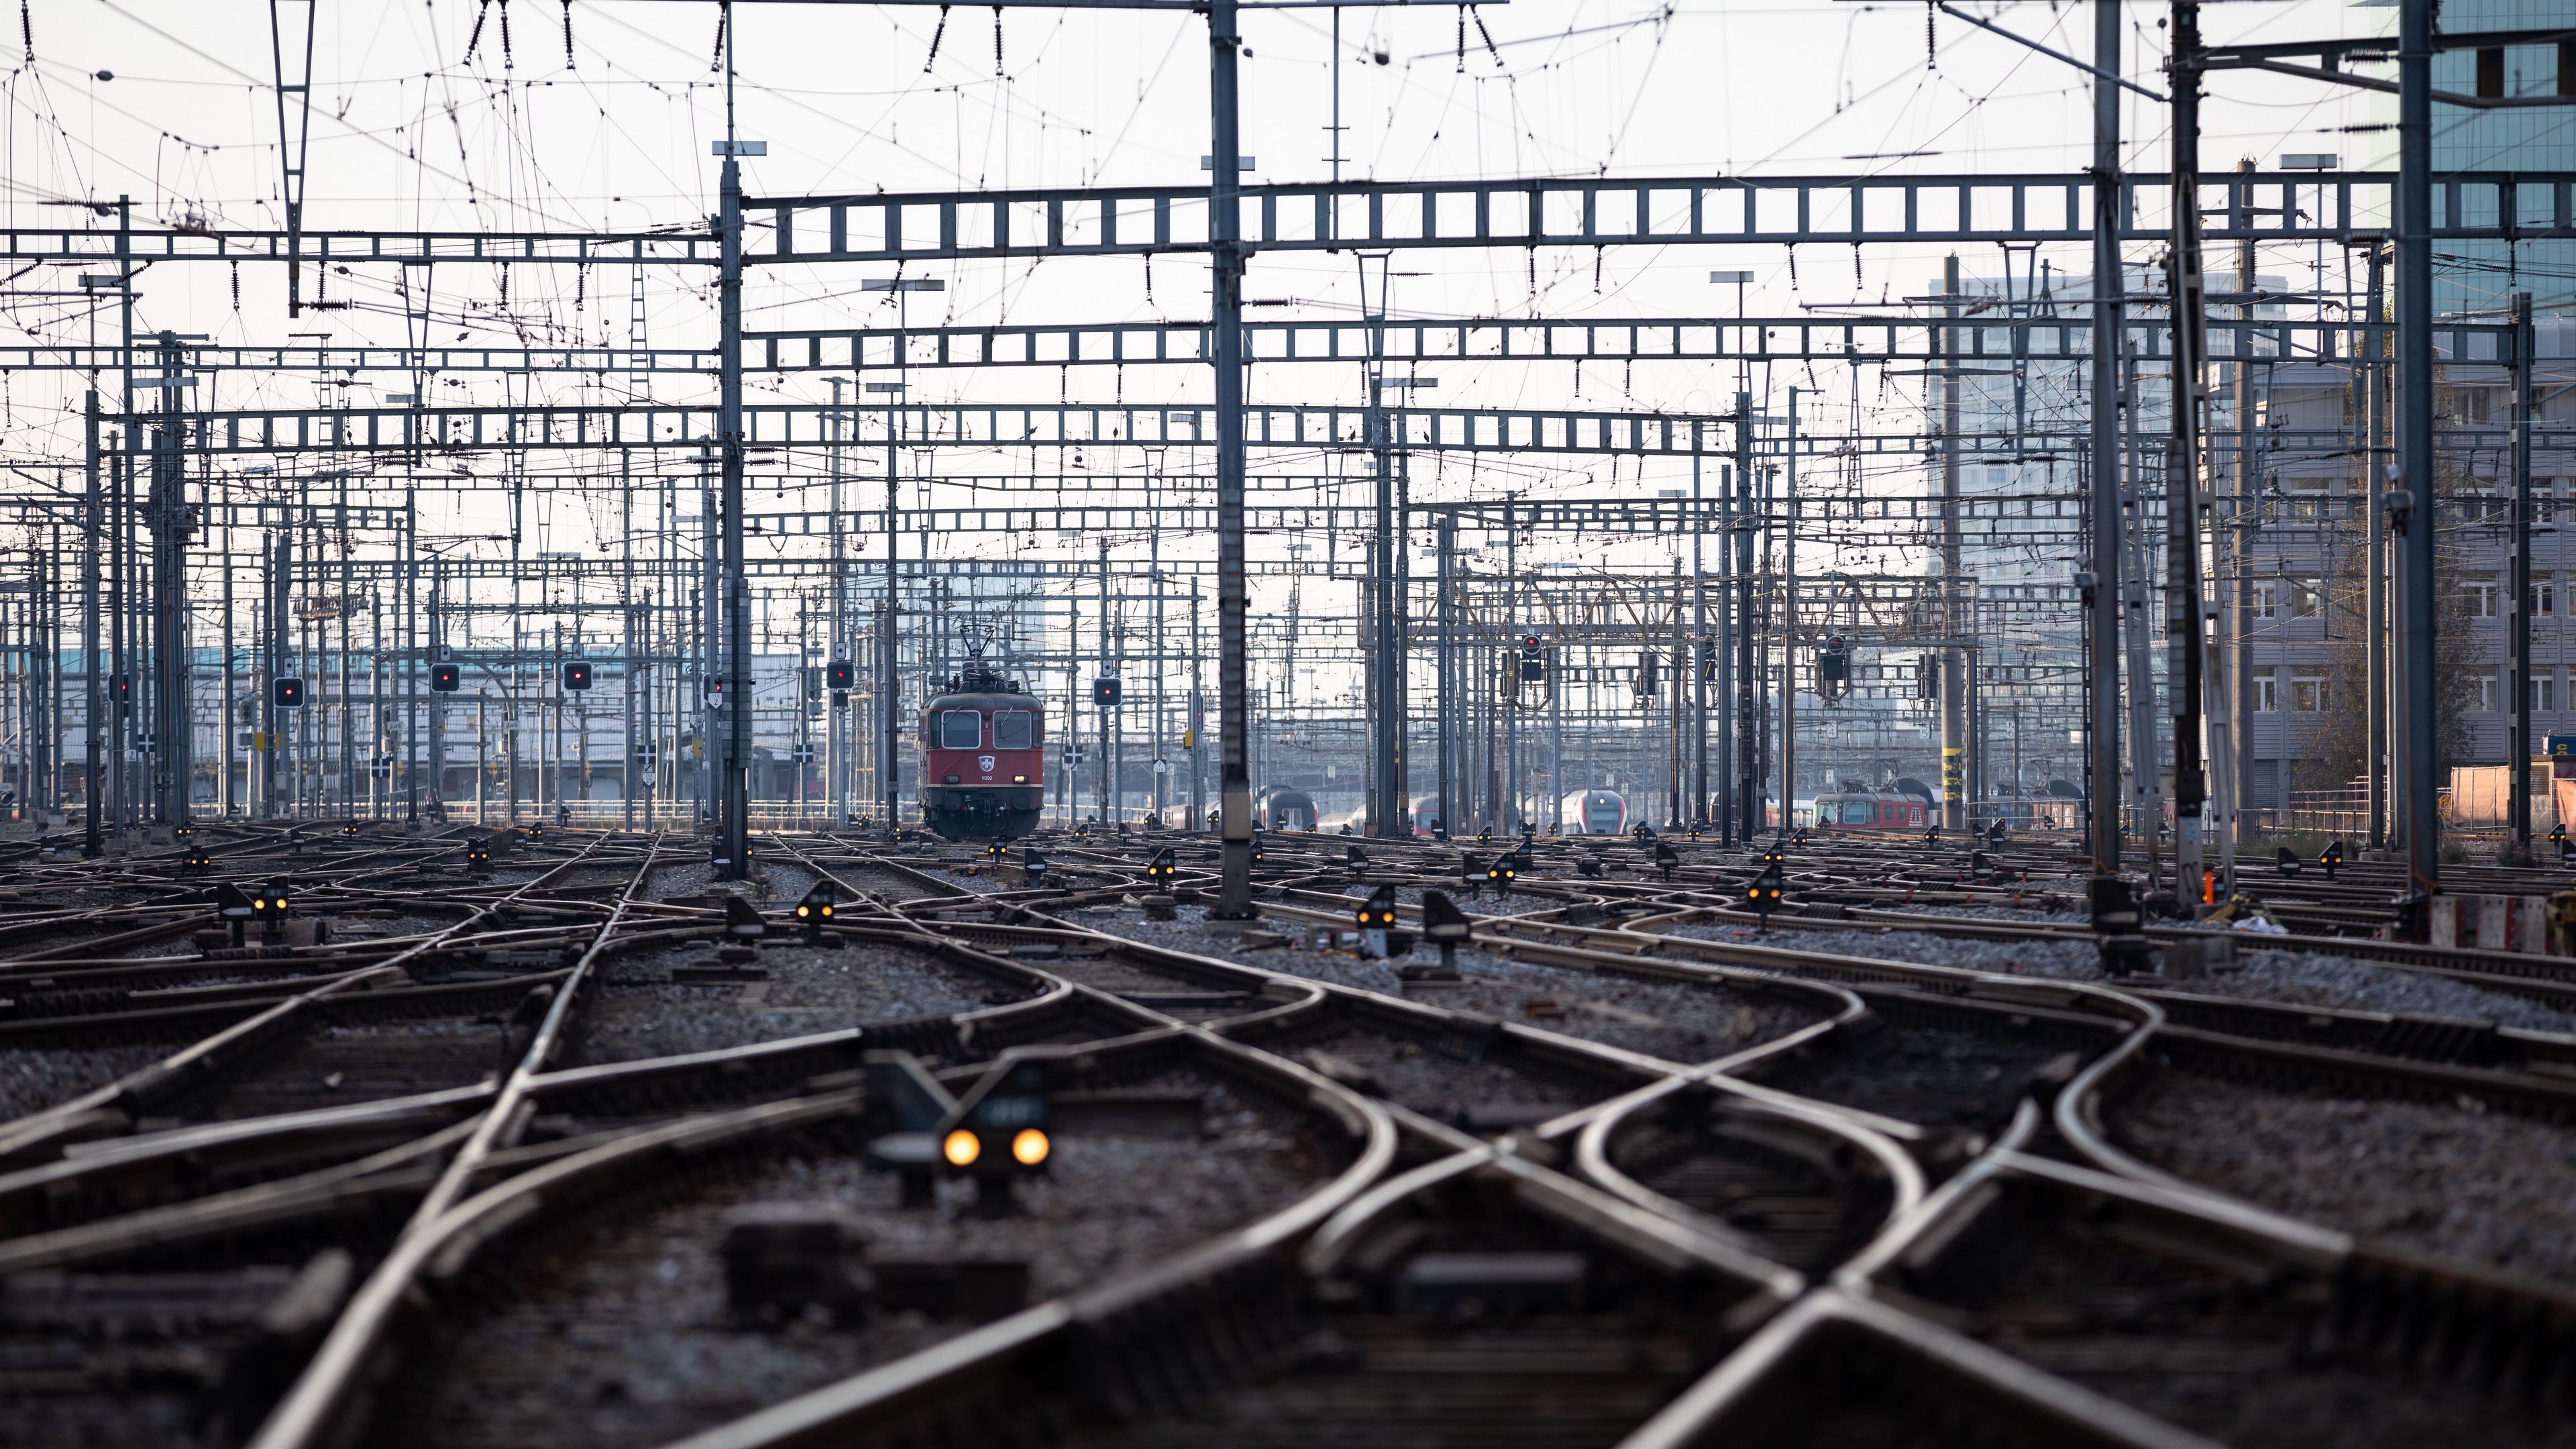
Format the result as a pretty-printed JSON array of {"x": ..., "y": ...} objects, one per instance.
[
  {"x": 2457, "y": 1182},
  {"x": 640, "y": 1013},
  {"x": 621, "y": 1334},
  {"x": 34, "y": 1078},
  {"x": 2291, "y": 978},
  {"x": 1675, "y": 1021}
]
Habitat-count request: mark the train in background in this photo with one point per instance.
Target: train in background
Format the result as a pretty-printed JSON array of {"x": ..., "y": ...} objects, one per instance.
[
  {"x": 1872, "y": 810},
  {"x": 1282, "y": 809},
  {"x": 983, "y": 757},
  {"x": 1595, "y": 812}
]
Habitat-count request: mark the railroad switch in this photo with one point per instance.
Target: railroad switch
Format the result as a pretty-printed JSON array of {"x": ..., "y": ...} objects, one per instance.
[
  {"x": 2119, "y": 923},
  {"x": 904, "y": 1108},
  {"x": 743, "y": 924},
  {"x": 234, "y": 908},
  {"x": 1445, "y": 926},
  {"x": 1478, "y": 1285},
  {"x": 783, "y": 1260}
]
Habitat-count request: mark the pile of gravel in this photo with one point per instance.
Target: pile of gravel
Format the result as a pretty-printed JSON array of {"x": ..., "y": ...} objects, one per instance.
[
  {"x": 2455, "y": 1181},
  {"x": 34, "y": 1078},
  {"x": 2068, "y": 960},
  {"x": 622, "y": 1335},
  {"x": 639, "y": 1013}
]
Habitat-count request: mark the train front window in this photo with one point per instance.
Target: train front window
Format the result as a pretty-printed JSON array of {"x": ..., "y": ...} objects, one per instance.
[
  {"x": 1015, "y": 729},
  {"x": 960, "y": 729},
  {"x": 1860, "y": 812}
]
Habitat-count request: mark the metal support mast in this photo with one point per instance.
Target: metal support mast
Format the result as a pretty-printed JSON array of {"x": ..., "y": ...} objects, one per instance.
[
  {"x": 2183, "y": 623},
  {"x": 1225, "y": 259},
  {"x": 2415, "y": 631},
  {"x": 2102, "y": 599},
  {"x": 734, "y": 788},
  {"x": 2518, "y": 623}
]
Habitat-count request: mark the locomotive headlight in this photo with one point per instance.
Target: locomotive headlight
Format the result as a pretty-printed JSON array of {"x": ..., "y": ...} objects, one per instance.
[
  {"x": 1019, "y": 779},
  {"x": 1029, "y": 1147},
  {"x": 962, "y": 1148}
]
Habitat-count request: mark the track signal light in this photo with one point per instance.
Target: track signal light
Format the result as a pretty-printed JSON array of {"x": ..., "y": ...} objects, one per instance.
[
  {"x": 816, "y": 909},
  {"x": 1376, "y": 917},
  {"x": 2332, "y": 856},
  {"x": 1764, "y": 893},
  {"x": 1104, "y": 691},
  {"x": 1161, "y": 870},
  {"x": 1033, "y": 867},
  {"x": 287, "y": 692},
  {"x": 268, "y": 904},
  {"x": 1667, "y": 859},
  {"x": 999, "y": 1132},
  {"x": 446, "y": 677},
  {"x": 841, "y": 676},
  {"x": 576, "y": 674}
]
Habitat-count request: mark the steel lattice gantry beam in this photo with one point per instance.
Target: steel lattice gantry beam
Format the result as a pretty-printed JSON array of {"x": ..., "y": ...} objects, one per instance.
[
  {"x": 1999, "y": 339},
  {"x": 1605, "y": 211},
  {"x": 431, "y": 431},
  {"x": 2335, "y": 206}
]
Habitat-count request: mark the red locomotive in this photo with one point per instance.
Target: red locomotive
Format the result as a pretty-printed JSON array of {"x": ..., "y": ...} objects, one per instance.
[{"x": 983, "y": 757}]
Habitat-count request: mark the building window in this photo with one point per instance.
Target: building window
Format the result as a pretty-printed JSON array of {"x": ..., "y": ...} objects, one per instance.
[
  {"x": 2267, "y": 599},
  {"x": 2544, "y": 595},
  {"x": 2307, "y": 597},
  {"x": 2267, "y": 692},
  {"x": 2486, "y": 689},
  {"x": 2481, "y": 590},
  {"x": 2544, "y": 693},
  {"x": 2307, "y": 693}
]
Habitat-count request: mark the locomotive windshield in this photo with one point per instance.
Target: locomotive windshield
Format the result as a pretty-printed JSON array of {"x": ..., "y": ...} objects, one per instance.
[
  {"x": 960, "y": 729},
  {"x": 1015, "y": 729}
]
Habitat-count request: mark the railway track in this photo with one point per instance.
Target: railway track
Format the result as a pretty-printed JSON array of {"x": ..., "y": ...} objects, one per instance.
[{"x": 1630, "y": 1178}]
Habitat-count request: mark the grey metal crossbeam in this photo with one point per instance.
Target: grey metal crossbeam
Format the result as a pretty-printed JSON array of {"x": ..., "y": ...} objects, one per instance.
[
  {"x": 1981, "y": 339},
  {"x": 1606, "y": 211},
  {"x": 1334, "y": 216},
  {"x": 435, "y": 431},
  {"x": 398, "y": 435}
]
